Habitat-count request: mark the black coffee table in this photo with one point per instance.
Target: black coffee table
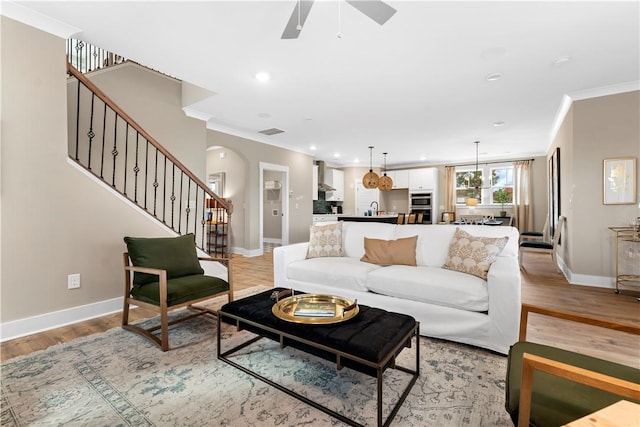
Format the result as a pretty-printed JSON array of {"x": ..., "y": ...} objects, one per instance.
[{"x": 368, "y": 343}]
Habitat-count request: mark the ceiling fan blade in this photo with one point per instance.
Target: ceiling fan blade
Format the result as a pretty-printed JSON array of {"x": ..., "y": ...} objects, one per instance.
[
  {"x": 377, "y": 10},
  {"x": 291, "y": 31}
]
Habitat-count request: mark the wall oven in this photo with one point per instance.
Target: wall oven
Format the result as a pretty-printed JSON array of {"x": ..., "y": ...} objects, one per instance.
[{"x": 421, "y": 202}]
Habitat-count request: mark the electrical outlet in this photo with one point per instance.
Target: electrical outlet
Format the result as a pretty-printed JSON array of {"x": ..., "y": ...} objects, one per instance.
[{"x": 73, "y": 281}]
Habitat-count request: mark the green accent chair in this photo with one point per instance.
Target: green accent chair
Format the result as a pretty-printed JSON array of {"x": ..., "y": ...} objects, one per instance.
[
  {"x": 549, "y": 386},
  {"x": 165, "y": 273}
]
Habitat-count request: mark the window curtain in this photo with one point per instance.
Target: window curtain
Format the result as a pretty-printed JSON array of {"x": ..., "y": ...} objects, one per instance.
[
  {"x": 522, "y": 195},
  {"x": 449, "y": 188}
]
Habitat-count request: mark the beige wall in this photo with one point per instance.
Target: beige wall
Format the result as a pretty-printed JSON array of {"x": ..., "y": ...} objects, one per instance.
[
  {"x": 55, "y": 221},
  {"x": 593, "y": 130},
  {"x": 247, "y": 215}
]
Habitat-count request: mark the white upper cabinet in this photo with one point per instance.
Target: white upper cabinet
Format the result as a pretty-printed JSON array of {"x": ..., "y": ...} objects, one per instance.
[
  {"x": 422, "y": 179},
  {"x": 400, "y": 178},
  {"x": 335, "y": 178}
]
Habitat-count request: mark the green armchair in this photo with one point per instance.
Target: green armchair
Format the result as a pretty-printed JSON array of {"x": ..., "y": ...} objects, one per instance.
[
  {"x": 164, "y": 274},
  {"x": 549, "y": 386}
]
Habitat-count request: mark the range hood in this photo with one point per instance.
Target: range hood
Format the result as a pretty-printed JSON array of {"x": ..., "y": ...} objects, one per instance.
[{"x": 322, "y": 185}]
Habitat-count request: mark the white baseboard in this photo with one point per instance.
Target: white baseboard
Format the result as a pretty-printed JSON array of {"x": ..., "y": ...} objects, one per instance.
[
  {"x": 585, "y": 279},
  {"x": 44, "y": 322},
  {"x": 270, "y": 240}
]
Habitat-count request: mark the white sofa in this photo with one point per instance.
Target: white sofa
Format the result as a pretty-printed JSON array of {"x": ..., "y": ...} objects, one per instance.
[{"x": 448, "y": 304}]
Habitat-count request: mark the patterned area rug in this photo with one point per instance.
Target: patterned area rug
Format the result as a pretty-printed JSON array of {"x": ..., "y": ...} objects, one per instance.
[{"x": 118, "y": 378}]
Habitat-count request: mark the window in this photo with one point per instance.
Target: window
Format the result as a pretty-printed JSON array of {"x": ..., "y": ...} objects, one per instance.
[{"x": 485, "y": 184}]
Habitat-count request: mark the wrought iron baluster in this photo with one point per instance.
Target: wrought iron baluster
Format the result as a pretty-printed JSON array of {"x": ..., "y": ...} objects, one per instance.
[
  {"x": 155, "y": 185},
  {"x": 173, "y": 194},
  {"x": 180, "y": 203},
  {"x": 164, "y": 191},
  {"x": 146, "y": 173},
  {"x": 114, "y": 151},
  {"x": 136, "y": 169},
  {"x": 104, "y": 135},
  {"x": 78, "y": 121},
  {"x": 126, "y": 157},
  {"x": 90, "y": 134}
]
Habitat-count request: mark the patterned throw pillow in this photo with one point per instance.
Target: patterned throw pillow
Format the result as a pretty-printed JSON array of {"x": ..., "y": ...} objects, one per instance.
[
  {"x": 325, "y": 241},
  {"x": 472, "y": 254}
]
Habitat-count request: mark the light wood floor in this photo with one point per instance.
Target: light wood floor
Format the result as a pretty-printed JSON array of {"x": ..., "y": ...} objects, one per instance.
[{"x": 541, "y": 285}]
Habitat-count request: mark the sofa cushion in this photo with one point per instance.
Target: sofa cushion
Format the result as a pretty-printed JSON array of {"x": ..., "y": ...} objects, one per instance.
[
  {"x": 341, "y": 272},
  {"x": 177, "y": 255},
  {"x": 472, "y": 254},
  {"x": 325, "y": 241},
  {"x": 432, "y": 285},
  {"x": 390, "y": 252},
  {"x": 181, "y": 289},
  {"x": 353, "y": 234}
]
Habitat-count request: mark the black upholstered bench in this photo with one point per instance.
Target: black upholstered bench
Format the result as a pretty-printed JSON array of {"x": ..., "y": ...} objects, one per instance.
[{"x": 368, "y": 342}]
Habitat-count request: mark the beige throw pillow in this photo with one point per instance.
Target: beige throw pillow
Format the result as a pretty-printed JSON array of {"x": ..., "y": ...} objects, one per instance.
[
  {"x": 390, "y": 252},
  {"x": 472, "y": 254},
  {"x": 325, "y": 241}
]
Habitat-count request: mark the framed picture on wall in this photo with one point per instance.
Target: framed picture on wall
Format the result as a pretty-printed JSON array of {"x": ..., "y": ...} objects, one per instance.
[{"x": 619, "y": 181}]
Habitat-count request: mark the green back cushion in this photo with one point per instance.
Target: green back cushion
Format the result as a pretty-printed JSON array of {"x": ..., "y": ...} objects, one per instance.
[
  {"x": 177, "y": 255},
  {"x": 556, "y": 401}
]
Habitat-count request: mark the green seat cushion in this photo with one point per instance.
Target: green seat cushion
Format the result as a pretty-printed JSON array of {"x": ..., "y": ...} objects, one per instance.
[
  {"x": 556, "y": 401},
  {"x": 181, "y": 289},
  {"x": 176, "y": 255}
]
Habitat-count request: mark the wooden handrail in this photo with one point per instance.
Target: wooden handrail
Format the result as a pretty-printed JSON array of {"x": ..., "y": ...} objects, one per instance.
[{"x": 100, "y": 94}]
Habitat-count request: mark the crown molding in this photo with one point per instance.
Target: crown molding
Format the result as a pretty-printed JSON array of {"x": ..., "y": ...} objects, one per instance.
[
  {"x": 37, "y": 20},
  {"x": 568, "y": 99}
]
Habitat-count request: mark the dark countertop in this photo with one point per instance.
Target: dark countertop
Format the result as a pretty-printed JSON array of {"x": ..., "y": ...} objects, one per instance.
[{"x": 391, "y": 219}]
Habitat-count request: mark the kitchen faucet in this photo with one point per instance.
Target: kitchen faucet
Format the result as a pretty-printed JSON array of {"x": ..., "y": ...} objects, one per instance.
[{"x": 371, "y": 205}]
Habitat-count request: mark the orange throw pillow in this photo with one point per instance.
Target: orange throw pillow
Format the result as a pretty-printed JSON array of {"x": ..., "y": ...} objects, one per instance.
[{"x": 390, "y": 252}]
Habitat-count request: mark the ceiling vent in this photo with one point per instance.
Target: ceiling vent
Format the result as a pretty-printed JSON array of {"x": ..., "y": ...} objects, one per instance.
[{"x": 272, "y": 131}]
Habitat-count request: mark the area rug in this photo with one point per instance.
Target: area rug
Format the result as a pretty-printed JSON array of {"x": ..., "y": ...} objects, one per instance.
[{"x": 118, "y": 378}]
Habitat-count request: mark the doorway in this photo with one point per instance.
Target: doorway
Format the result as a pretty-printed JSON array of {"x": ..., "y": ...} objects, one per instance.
[{"x": 274, "y": 205}]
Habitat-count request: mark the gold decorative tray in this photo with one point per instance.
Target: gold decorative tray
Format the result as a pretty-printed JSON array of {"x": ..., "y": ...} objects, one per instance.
[{"x": 316, "y": 309}]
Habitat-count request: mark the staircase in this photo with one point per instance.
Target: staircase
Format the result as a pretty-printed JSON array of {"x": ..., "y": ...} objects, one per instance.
[{"x": 109, "y": 144}]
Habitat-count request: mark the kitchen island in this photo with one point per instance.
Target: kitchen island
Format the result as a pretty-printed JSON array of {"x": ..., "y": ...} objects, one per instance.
[{"x": 390, "y": 219}]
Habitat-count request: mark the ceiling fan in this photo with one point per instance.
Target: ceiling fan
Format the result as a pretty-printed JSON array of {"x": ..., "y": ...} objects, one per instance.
[{"x": 377, "y": 10}]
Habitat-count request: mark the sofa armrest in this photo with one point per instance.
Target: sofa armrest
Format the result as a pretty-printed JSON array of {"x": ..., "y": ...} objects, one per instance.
[
  {"x": 285, "y": 255},
  {"x": 504, "y": 284}
]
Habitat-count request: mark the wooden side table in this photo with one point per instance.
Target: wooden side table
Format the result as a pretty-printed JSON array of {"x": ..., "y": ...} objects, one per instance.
[{"x": 620, "y": 414}]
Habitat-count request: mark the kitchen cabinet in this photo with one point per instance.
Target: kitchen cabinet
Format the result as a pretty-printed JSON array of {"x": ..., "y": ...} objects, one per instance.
[
  {"x": 423, "y": 179},
  {"x": 314, "y": 188},
  {"x": 335, "y": 178},
  {"x": 400, "y": 178}
]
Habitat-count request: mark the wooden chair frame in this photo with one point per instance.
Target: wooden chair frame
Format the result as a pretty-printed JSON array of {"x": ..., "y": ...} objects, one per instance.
[
  {"x": 531, "y": 363},
  {"x": 163, "y": 309}
]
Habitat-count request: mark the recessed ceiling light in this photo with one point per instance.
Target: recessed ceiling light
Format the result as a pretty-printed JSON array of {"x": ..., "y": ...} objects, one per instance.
[
  {"x": 312, "y": 148},
  {"x": 336, "y": 155},
  {"x": 561, "y": 60},
  {"x": 356, "y": 160},
  {"x": 498, "y": 124},
  {"x": 493, "y": 77},
  {"x": 423, "y": 158},
  {"x": 263, "y": 76}
]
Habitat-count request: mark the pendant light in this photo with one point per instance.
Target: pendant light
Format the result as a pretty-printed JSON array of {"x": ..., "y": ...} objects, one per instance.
[
  {"x": 473, "y": 201},
  {"x": 370, "y": 179},
  {"x": 385, "y": 183}
]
